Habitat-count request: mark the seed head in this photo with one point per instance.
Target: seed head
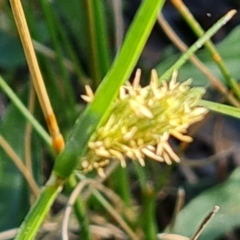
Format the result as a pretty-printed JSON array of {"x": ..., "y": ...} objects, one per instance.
[{"x": 141, "y": 121}]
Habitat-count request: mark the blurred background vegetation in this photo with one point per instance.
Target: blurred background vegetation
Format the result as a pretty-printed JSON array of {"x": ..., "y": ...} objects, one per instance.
[{"x": 76, "y": 42}]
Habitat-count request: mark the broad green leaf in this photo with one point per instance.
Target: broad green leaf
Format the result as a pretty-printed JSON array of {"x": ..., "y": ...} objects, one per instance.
[{"x": 226, "y": 196}]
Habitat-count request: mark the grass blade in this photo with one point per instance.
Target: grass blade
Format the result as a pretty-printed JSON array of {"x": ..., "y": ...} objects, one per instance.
[
  {"x": 120, "y": 71},
  {"x": 221, "y": 108}
]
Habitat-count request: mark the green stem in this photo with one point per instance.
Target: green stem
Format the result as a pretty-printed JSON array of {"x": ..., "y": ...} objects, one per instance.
[
  {"x": 102, "y": 37},
  {"x": 79, "y": 209},
  {"x": 42, "y": 206},
  {"x": 94, "y": 114},
  {"x": 198, "y": 44},
  {"x": 121, "y": 185},
  {"x": 15, "y": 100},
  {"x": 53, "y": 31},
  {"x": 148, "y": 215},
  {"x": 94, "y": 67},
  {"x": 98, "y": 110},
  {"x": 115, "y": 214},
  {"x": 47, "y": 139},
  {"x": 189, "y": 18}
]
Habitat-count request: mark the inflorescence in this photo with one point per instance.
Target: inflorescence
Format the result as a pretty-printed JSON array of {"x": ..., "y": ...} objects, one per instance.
[{"x": 141, "y": 121}]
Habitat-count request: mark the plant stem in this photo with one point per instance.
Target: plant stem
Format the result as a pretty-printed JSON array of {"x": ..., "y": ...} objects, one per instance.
[
  {"x": 102, "y": 37},
  {"x": 79, "y": 209},
  {"x": 43, "y": 204},
  {"x": 189, "y": 18},
  {"x": 19, "y": 164},
  {"x": 197, "y": 62},
  {"x": 98, "y": 110},
  {"x": 57, "y": 139},
  {"x": 25, "y": 112},
  {"x": 122, "y": 185},
  {"x": 99, "y": 60},
  {"x": 115, "y": 214},
  {"x": 149, "y": 208},
  {"x": 94, "y": 114},
  {"x": 65, "y": 77},
  {"x": 198, "y": 44}
]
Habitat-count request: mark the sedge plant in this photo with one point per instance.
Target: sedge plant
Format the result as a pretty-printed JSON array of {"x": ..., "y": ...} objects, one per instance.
[{"x": 122, "y": 120}]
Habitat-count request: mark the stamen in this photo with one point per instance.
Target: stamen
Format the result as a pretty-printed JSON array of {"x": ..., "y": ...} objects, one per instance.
[
  {"x": 136, "y": 81},
  {"x": 180, "y": 136},
  {"x": 102, "y": 152},
  {"x": 171, "y": 153},
  {"x": 151, "y": 155}
]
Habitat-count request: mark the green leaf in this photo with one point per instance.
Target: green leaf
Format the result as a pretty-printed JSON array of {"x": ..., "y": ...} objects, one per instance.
[
  {"x": 221, "y": 108},
  {"x": 98, "y": 47},
  {"x": 120, "y": 71},
  {"x": 93, "y": 115},
  {"x": 226, "y": 196}
]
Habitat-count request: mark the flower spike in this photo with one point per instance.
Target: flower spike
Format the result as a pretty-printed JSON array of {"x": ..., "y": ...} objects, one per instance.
[{"x": 141, "y": 121}]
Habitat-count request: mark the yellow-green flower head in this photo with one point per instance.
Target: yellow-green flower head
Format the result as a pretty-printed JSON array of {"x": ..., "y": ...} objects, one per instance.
[{"x": 141, "y": 121}]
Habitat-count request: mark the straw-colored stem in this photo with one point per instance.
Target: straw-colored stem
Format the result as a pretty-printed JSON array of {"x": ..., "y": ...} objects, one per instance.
[
  {"x": 204, "y": 223},
  {"x": 19, "y": 164},
  {"x": 196, "y": 61},
  {"x": 96, "y": 185},
  {"x": 112, "y": 211},
  {"x": 178, "y": 206},
  {"x": 189, "y": 18},
  {"x": 57, "y": 139},
  {"x": 198, "y": 44}
]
